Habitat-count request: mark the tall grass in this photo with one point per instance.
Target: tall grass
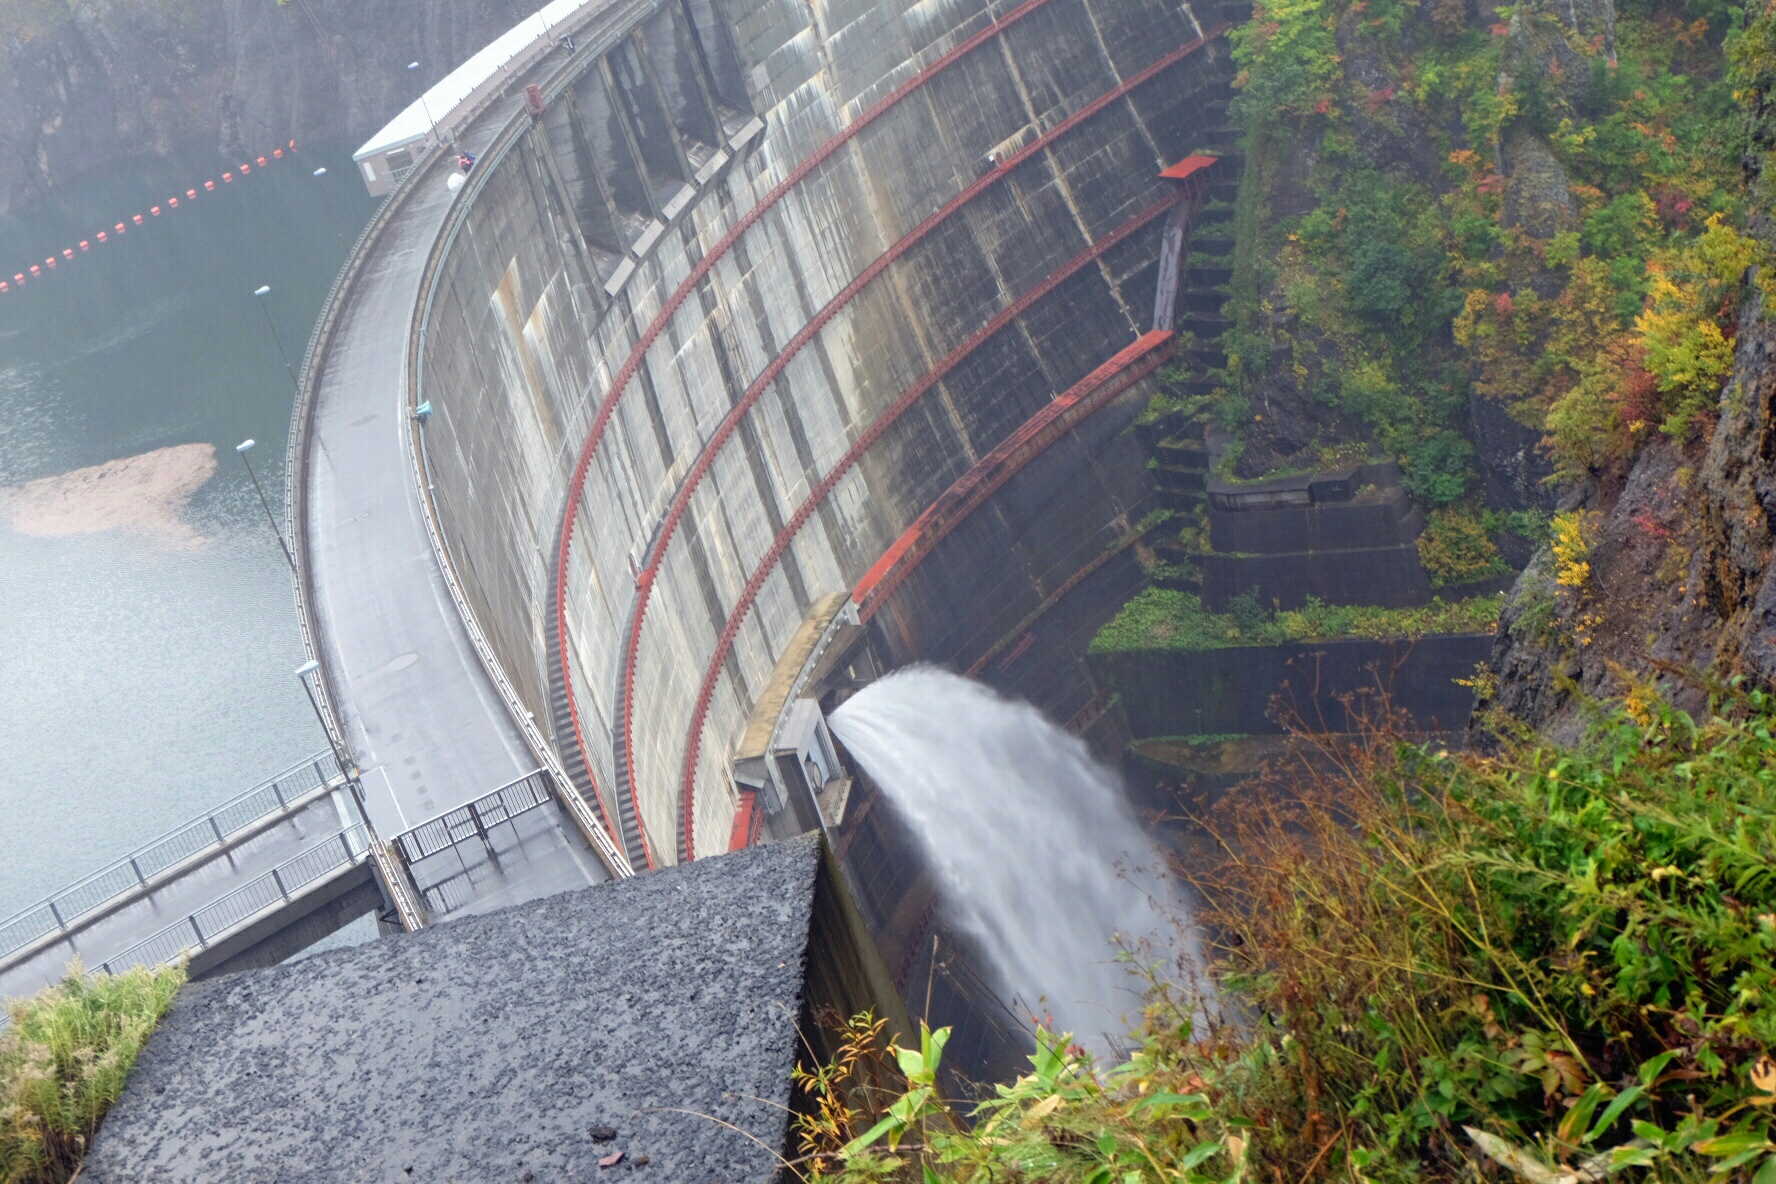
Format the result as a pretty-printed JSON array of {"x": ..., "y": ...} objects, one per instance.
[
  {"x": 64, "y": 1060},
  {"x": 1555, "y": 966}
]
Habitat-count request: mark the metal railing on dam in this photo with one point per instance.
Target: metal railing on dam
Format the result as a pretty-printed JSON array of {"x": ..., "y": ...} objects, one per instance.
[
  {"x": 470, "y": 856},
  {"x": 146, "y": 867},
  {"x": 247, "y": 878},
  {"x": 221, "y": 919}
]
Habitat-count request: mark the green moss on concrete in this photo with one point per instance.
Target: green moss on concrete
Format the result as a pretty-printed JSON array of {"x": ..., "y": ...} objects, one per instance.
[{"x": 1163, "y": 619}]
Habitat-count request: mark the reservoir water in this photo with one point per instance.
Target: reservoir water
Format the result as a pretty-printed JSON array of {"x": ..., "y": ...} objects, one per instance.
[{"x": 147, "y": 627}]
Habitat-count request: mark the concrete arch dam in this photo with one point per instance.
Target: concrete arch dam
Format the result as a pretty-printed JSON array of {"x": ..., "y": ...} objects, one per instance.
[{"x": 749, "y": 309}]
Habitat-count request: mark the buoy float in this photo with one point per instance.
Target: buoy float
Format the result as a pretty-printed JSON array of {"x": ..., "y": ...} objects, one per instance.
[{"x": 172, "y": 203}]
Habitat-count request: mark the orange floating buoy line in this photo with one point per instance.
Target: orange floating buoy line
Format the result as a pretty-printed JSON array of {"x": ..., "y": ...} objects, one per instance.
[{"x": 38, "y": 271}]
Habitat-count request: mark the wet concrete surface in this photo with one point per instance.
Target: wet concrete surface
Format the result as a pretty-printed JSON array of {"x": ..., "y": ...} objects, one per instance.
[
  {"x": 421, "y": 714},
  {"x": 493, "y": 1047}
]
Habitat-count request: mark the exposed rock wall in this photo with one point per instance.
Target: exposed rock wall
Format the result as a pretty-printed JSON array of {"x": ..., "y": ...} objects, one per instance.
[
  {"x": 1739, "y": 477},
  {"x": 88, "y": 83},
  {"x": 1644, "y": 607}
]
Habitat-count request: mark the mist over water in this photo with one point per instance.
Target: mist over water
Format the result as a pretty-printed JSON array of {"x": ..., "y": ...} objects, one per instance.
[{"x": 1037, "y": 853}]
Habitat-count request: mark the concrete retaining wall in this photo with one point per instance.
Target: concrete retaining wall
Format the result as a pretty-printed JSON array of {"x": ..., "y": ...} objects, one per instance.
[
  {"x": 523, "y": 341},
  {"x": 1217, "y": 692}
]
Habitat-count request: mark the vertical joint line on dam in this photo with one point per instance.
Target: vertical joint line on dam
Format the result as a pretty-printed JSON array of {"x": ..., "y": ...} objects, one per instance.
[{"x": 963, "y": 497}]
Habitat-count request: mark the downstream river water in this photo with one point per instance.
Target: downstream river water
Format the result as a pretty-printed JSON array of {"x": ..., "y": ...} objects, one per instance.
[{"x": 147, "y": 630}]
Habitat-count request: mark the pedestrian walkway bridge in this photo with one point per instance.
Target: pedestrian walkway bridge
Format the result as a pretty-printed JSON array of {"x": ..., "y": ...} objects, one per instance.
[
  {"x": 276, "y": 869},
  {"x": 228, "y": 889}
]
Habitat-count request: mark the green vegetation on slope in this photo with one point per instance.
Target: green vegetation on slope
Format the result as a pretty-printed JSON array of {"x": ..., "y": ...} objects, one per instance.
[
  {"x": 1539, "y": 965},
  {"x": 1493, "y": 206},
  {"x": 63, "y": 1062},
  {"x": 1164, "y": 619}
]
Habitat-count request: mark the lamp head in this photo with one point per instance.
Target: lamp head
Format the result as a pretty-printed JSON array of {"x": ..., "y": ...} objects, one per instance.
[
  {"x": 307, "y": 668},
  {"x": 413, "y": 65},
  {"x": 320, "y": 172},
  {"x": 245, "y": 446},
  {"x": 263, "y": 291}
]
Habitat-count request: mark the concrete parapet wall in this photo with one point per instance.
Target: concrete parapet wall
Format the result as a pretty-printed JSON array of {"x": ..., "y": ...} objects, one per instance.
[
  {"x": 1218, "y": 692},
  {"x": 524, "y": 339},
  {"x": 1391, "y": 577}
]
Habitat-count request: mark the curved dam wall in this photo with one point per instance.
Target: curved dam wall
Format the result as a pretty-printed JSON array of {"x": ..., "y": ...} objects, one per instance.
[{"x": 734, "y": 308}]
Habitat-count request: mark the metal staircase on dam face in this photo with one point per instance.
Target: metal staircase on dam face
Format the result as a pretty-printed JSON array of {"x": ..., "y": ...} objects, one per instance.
[
  {"x": 1176, "y": 441},
  {"x": 573, "y": 758}
]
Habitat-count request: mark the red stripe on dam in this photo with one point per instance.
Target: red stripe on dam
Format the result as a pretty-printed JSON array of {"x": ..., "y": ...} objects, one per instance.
[
  {"x": 998, "y": 466},
  {"x": 756, "y": 582},
  {"x": 712, "y": 448}
]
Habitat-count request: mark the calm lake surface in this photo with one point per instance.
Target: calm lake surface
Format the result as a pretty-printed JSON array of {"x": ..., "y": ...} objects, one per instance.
[{"x": 146, "y": 675}]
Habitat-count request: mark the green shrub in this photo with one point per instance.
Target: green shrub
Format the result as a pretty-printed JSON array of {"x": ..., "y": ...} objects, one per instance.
[
  {"x": 64, "y": 1060},
  {"x": 1539, "y": 965},
  {"x": 1455, "y": 549},
  {"x": 1437, "y": 468},
  {"x": 1162, "y": 618}
]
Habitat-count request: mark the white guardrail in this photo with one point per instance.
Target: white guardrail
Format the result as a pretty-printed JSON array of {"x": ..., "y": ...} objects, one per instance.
[{"x": 219, "y": 919}]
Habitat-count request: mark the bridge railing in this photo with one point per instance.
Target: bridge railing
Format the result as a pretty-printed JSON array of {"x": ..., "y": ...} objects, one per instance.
[
  {"x": 198, "y": 930},
  {"x": 472, "y": 821},
  {"x": 133, "y": 872}
]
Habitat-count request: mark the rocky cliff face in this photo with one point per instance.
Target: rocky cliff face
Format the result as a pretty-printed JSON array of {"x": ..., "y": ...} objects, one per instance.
[
  {"x": 1644, "y": 611},
  {"x": 87, "y": 82},
  {"x": 1681, "y": 587}
]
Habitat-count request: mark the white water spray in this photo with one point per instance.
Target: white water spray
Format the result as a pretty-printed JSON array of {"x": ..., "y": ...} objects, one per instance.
[{"x": 1037, "y": 854}]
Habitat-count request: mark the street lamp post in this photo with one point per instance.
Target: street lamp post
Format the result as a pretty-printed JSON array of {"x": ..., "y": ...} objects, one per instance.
[
  {"x": 332, "y": 220},
  {"x": 347, "y": 766},
  {"x": 431, "y": 124},
  {"x": 244, "y": 447},
  {"x": 262, "y": 292}
]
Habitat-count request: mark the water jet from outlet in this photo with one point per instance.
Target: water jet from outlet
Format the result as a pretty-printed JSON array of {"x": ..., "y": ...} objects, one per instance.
[{"x": 1037, "y": 854}]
